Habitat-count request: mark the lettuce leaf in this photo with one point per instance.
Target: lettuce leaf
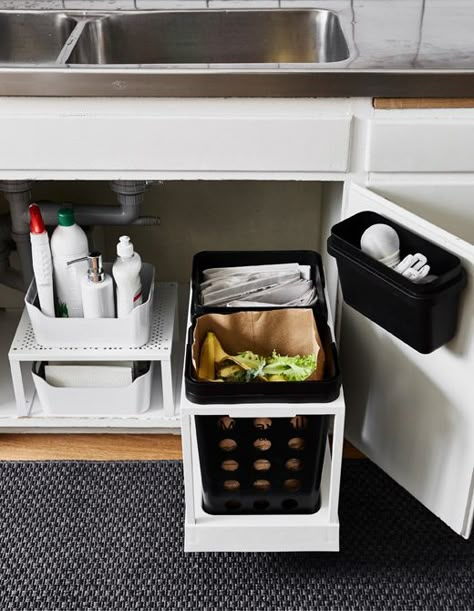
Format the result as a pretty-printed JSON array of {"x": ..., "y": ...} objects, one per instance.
[
  {"x": 292, "y": 368},
  {"x": 252, "y": 363}
]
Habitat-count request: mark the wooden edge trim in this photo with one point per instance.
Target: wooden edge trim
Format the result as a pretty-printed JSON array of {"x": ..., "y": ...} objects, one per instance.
[{"x": 406, "y": 103}]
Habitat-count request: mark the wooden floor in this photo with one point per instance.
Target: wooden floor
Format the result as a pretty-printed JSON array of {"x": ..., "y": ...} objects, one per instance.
[
  {"x": 99, "y": 447},
  {"x": 89, "y": 447}
]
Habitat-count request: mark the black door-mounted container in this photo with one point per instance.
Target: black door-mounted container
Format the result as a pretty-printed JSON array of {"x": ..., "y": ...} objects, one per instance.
[
  {"x": 261, "y": 465},
  {"x": 424, "y": 316}
]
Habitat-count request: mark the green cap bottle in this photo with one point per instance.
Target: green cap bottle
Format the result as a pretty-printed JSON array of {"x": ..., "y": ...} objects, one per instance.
[{"x": 66, "y": 217}]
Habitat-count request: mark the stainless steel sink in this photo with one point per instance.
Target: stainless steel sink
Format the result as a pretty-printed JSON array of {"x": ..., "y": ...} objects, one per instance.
[
  {"x": 198, "y": 53},
  {"x": 33, "y": 37},
  {"x": 212, "y": 37}
]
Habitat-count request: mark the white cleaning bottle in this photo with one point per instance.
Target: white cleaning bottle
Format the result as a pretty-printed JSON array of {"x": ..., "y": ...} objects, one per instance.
[
  {"x": 69, "y": 242},
  {"x": 126, "y": 273},
  {"x": 97, "y": 290},
  {"x": 42, "y": 263}
]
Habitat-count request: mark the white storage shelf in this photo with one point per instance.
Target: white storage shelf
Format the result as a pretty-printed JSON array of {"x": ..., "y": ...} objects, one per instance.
[{"x": 161, "y": 347}]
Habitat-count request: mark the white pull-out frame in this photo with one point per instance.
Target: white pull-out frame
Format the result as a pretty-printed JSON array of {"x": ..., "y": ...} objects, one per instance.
[{"x": 262, "y": 532}]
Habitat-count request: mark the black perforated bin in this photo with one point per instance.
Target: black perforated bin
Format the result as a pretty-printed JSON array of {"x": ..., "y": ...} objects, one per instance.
[
  {"x": 261, "y": 465},
  {"x": 424, "y": 316}
]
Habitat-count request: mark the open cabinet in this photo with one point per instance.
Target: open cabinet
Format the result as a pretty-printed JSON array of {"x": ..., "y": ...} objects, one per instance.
[{"x": 411, "y": 413}]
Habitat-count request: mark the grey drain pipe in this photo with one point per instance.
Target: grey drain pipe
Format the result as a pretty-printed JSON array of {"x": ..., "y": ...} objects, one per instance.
[
  {"x": 130, "y": 196},
  {"x": 8, "y": 276},
  {"x": 18, "y": 195}
]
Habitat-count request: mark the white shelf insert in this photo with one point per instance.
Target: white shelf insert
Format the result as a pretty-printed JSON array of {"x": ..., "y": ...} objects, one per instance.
[{"x": 161, "y": 347}]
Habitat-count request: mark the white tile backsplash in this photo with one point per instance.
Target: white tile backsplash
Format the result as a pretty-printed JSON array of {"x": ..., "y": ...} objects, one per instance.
[
  {"x": 99, "y": 4},
  {"x": 248, "y": 4},
  {"x": 19, "y": 5},
  {"x": 332, "y": 5},
  {"x": 170, "y": 4}
]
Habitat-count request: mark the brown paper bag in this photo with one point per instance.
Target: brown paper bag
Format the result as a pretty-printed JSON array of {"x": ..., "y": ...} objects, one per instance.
[{"x": 288, "y": 331}]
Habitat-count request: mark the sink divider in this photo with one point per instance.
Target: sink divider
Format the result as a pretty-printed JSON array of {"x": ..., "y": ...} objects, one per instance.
[{"x": 71, "y": 42}]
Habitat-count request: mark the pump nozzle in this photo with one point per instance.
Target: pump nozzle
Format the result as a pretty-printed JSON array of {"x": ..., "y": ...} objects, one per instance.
[{"x": 95, "y": 271}]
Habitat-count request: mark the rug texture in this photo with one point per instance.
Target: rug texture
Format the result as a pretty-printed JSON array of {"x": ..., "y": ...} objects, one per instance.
[{"x": 92, "y": 535}]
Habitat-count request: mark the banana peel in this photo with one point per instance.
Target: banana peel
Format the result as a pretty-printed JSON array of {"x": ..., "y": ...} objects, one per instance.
[
  {"x": 212, "y": 359},
  {"x": 207, "y": 367},
  {"x": 227, "y": 371},
  {"x": 212, "y": 354}
]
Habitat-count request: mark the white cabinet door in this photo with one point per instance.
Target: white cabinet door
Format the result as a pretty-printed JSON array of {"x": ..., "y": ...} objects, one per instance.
[{"x": 413, "y": 414}]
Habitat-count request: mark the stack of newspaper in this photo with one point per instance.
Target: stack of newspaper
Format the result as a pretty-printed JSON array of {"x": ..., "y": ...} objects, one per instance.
[{"x": 281, "y": 286}]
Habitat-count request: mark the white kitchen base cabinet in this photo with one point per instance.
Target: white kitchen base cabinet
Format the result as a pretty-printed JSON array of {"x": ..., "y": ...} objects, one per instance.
[{"x": 412, "y": 414}]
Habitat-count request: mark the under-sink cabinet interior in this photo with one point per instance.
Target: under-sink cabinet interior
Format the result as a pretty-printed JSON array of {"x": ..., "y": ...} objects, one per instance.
[
  {"x": 230, "y": 215},
  {"x": 410, "y": 412}
]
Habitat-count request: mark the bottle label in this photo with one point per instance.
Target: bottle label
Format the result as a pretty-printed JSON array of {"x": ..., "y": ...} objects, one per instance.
[
  {"x": 62, "y": 310},
  {"x": 138, "y": 299}
]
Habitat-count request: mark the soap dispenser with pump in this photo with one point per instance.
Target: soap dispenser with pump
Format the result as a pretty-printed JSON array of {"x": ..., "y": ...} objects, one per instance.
[{"x": 97, "y": 290}]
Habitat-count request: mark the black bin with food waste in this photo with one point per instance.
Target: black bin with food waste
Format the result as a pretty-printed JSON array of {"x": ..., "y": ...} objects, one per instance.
[
  {"x": 264, "y": 335},
  {"x": 253, "y": 465}
]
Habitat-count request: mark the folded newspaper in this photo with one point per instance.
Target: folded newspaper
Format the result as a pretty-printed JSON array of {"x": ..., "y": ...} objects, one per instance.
[{"x": 281, "y": 285}]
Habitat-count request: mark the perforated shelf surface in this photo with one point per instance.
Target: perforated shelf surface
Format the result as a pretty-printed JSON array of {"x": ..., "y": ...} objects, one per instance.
[{"x": 159, "y": 347}]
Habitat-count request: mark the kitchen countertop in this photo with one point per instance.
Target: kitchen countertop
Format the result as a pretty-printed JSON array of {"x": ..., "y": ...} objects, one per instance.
[{"x": 398, "y": 48}]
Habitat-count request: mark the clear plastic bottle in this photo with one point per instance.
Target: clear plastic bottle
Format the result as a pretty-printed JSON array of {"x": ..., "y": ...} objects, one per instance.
[
  {"x": 69, "y": 242},
  {"x": 126, "y": 273}
]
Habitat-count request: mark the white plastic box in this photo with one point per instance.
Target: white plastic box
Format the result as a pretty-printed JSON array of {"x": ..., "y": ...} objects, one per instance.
[
  {"x": 121, "y": 401},
  {"x": 132, "y": 331}
]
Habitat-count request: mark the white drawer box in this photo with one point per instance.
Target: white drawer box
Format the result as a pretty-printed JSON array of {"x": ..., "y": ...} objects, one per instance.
[
  {"x": 166, "y": 138},
  {"x": 408, "y": 142}
]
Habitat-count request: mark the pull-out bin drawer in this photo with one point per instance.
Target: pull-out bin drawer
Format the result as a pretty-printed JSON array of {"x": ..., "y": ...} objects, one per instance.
[{"x": 262, "y": 465}]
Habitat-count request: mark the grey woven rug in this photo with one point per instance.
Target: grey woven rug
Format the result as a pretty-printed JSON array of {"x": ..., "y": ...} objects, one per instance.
[{"x": 77, "y": 535}]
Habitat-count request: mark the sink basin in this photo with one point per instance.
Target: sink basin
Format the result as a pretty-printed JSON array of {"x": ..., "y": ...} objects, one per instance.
[
  {"x": 212, "y": 37},
  {"x": 33, "y": 38}
]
